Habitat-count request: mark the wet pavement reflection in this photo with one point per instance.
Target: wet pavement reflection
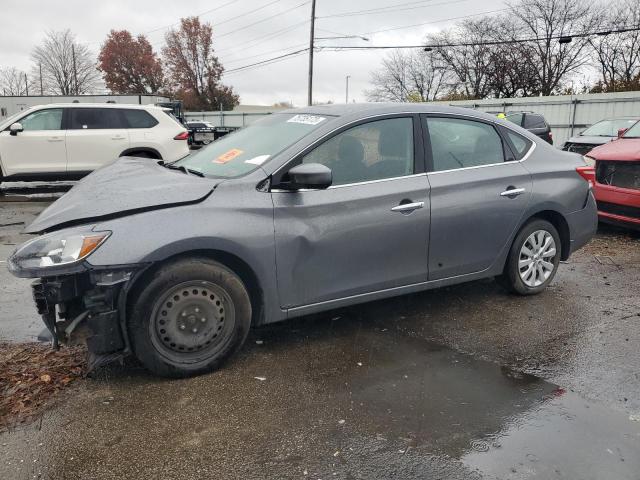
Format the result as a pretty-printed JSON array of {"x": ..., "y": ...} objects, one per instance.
[{"x": 328, "y": 398}]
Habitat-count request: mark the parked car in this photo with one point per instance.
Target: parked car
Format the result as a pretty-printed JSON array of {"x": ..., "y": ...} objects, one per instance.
[
  {"x": 616, "y": 179},
  {"x": 534, "y": 122},
  {"x": 598, "y": 134},
  {"x": 68, "y": 141},
  {"x": 201, "y": 133},
  {"x": 300, "y": 212}
]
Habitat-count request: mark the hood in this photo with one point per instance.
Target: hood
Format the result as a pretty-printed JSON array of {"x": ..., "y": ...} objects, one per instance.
[
  {"x": 591, "y": 140},
  {"x": 129, "y": 185},
  {"x": 624, "y": 150}
]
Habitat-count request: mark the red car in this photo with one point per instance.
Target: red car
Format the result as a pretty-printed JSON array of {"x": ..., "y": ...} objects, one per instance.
[{"x": 614, "y": 170}]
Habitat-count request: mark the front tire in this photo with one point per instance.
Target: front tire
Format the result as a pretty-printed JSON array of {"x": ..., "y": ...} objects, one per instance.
[
  {"x": 533, "y": 259},
  {"x": 189, "y": 318}
]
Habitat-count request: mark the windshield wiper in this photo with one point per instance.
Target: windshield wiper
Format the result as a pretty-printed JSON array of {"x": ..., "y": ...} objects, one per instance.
[{"x": 185, "y": 170}]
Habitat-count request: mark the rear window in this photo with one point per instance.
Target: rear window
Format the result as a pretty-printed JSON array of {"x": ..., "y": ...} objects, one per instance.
[
  {"x": 139, "y": 119},
  {"x": 94, "y": 118},
  {"x": 534, "y": 121},
  {"x": 515, "y": 118}
]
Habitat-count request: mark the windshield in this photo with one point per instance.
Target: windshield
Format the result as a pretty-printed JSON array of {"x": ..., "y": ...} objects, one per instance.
[
  {"x": 608, "y": 128},
  {"x": 242, "y": 151},
  {"x": 633, "y": 132}
]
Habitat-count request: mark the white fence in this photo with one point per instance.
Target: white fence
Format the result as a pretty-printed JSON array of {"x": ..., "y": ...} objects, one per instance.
[{"x": 566, "y": 114}]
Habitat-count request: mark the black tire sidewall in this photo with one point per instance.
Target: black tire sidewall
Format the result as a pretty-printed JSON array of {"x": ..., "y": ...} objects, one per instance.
[
  {"x": 511, "y": 275},
  {"x": 162, "y": 280}
]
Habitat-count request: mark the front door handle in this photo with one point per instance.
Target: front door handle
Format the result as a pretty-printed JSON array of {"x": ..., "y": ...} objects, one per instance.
[
  {"x": 55, "y": 139},
  {"x": 513, "y": 192},
  {"x": 408, "y": 207},
  {"x": 117, "y": 138}
]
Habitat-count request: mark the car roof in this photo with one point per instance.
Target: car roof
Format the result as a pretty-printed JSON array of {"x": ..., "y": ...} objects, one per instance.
[
  {"x": 98, "y": 105},
  {"x": 370, "y": 109}
]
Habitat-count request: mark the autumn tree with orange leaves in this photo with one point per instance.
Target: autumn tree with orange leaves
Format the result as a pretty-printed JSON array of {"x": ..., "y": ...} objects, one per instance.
[
  {"x": 193, "y": 69},
  {"x": 129, "y": 65}
]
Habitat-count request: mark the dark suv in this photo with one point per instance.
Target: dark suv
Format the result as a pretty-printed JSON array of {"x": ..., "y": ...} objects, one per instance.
[{"x": 534, "y": 122}]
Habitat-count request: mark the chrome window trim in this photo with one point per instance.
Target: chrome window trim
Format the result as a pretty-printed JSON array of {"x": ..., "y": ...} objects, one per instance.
[
  {"x": 401, "y": 114},
  {"x": 333, "y": 187}
]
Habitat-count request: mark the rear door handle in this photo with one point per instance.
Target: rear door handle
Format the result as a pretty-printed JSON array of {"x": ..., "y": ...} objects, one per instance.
[
  {"x": 55, "y": 139},
  {"x": 513, "y": 192},
  {"x": 117, "y": 138},
  {"x": 408, "y": 207}
]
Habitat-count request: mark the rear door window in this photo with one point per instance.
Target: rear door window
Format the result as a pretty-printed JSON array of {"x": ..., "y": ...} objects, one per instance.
[
  {"x": 94, "y": 119},
  {"x": 139, "y": 119},
  {"x": 458, "y": 143}
]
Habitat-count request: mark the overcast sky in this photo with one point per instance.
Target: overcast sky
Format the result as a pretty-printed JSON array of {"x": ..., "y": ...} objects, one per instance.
[{"x": 244, "y": 34}]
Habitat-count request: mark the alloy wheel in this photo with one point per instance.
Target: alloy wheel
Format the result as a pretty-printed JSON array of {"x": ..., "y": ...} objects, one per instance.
[{"x": 536, "y": 261}]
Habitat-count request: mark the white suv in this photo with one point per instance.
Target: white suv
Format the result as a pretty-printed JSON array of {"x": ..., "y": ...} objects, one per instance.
[{"x": 68, "y": 141}]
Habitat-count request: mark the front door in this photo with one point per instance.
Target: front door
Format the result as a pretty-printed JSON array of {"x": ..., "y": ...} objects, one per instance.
[
  {"x": 369, "y": 231},
  {"x": 39, "y": 148},
  {"x": 95, "y": 137},
  {"x": 479, "y": 191}
]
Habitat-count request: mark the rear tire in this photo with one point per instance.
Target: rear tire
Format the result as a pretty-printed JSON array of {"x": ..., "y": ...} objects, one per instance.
[
  {"x": 189, "y": 318},
  {"x": 533, "y": 258}
]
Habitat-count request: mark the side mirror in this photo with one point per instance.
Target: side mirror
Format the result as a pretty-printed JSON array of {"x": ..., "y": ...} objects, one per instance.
[
  {"x": 310, "y": 175},
  {"x": 621, "y": 132},
  {"x": 15, "y": 128}
]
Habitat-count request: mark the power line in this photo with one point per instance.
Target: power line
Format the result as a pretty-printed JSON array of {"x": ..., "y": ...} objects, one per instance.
[
  {"x": 266, "y": 36},
  {"x": 263, "y": 20},
  {"x": 436, "y": 21},
  {"x": 198, "y": 15},
  {"x": 484, "y": 43},
  {"x": 395, "y": 8},
  {"x": 268, "y": 61},
  {"x": 265, "y": 53}
]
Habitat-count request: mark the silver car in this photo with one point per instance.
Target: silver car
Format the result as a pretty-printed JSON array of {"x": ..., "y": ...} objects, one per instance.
[{"x": 300, "y": 212}]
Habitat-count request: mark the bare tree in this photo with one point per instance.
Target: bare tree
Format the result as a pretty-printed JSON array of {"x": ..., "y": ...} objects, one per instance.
[
  {"x": 617, "y": 56},
  {"x": 407, "y": 77},
  {"x": 463, "y": 50},
  {"x": 13, "y": 81},
  {"x": 68, "y": 67},
  {"x": 546, "y": 20}
]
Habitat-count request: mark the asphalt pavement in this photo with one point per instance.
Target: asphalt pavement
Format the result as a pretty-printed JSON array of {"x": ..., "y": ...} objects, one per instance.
[{"x": 462, "y": 382}]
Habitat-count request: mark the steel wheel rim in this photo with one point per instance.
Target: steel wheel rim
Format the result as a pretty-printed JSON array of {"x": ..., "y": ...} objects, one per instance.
[
  {"x": 192, "y": 322},
  {"x": 536, "y": 262}
]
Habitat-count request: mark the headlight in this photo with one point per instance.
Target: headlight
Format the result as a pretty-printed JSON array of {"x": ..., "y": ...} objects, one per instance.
[
  {"x": 55, "y": 249},
  {"x": 589, "y": 161}
]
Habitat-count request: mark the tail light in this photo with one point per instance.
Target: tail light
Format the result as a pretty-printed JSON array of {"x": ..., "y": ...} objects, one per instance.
[
  {"x": 182, "y": 136},
  {"x": 588, "y": 173}
]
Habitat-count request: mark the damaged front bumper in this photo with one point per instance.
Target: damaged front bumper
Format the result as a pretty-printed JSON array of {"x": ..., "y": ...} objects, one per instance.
[{"x": 87, "y": 307}]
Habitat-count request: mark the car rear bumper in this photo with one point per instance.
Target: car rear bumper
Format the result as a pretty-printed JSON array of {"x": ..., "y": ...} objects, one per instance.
[{"x": 583, "y": 224}]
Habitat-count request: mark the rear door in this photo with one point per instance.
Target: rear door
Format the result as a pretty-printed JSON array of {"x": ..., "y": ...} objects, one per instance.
[
  {"x": 95, "y": 137},
  {"x": 479, "y": 191},
  {"x": 369, "y": 231},
  {"x": 39, "y": 148}
]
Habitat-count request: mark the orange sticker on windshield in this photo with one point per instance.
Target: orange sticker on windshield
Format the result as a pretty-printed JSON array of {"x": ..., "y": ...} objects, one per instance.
[{"x": 228, "y": 156}]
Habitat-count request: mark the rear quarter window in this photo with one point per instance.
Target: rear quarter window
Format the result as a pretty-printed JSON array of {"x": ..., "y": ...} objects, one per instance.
[
  {"x": 519, "y": 145},
  {"x": 139, "y": 119}
]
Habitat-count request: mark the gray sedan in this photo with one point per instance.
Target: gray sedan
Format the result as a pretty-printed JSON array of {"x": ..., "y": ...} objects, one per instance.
[{"x": 303, "y": 211}]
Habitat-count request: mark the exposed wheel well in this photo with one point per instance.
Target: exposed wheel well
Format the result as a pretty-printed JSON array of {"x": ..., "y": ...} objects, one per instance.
[
  {"x": 144, "y": 152},
  {"x": 557, "y": 220},
  {"x": 234, "y": 263}
]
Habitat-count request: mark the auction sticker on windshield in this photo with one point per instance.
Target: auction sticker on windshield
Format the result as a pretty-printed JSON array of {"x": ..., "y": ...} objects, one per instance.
[
  {"x": 306, "y": 119},
  {"x": 229, "y": 155}
]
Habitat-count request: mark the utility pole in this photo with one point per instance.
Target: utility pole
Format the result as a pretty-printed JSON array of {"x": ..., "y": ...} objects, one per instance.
[
  {"x": 75, "y": 72},
  {"x": 41, "y": 89},
  {"x": 346, "y": 96},
  {"x": 311, "y": 39},
  {"x": 26, "y": 84}
]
